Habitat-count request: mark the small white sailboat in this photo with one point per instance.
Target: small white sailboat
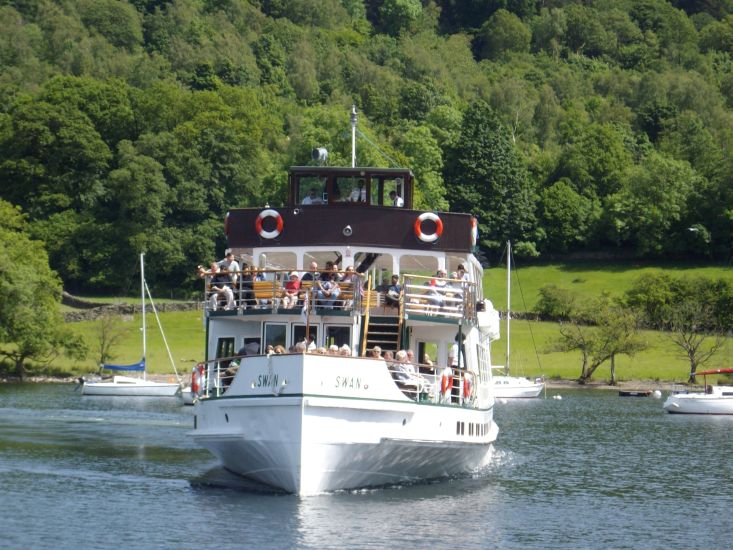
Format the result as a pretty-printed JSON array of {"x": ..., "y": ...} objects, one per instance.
[
  {"x": 714, "y": 400},
  {"x": 130, "y": 386},
  {"x": 506, "y": 386}
]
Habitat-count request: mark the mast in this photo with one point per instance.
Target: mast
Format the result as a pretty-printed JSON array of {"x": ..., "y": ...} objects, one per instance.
[
  {"x": 142, "y": 297},
  {"x": 508, "y": 298},
  {"x": 353, "y": 136}
]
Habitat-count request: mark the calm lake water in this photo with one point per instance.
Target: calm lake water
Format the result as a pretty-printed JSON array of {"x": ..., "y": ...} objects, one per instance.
[{"x": 592, "y": 470}]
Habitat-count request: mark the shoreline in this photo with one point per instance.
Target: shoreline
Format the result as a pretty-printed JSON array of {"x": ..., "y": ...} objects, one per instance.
[{"x": 554, "y": 384}]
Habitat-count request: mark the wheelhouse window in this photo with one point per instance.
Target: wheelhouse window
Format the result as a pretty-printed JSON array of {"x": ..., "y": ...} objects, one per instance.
[{"x": 312, "y": 190}]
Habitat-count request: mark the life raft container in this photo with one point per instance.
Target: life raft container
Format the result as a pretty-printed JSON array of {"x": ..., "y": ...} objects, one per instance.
[
  {"x": 428, "y": 237},
  {"x": 269, "y": 213}
]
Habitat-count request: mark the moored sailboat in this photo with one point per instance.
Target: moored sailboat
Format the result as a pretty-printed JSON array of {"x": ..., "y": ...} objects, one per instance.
[
  {"x": 713, "y": 400},
  {"x": 130, "y": 386}
]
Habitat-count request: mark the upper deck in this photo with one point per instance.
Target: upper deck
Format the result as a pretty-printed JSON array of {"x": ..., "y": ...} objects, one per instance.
[{"x": 350, "y": 207}]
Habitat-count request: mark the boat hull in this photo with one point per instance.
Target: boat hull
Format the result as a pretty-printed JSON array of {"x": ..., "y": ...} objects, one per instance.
[
  {"x": 131, "y": 387},
  {"x": 700, "y": 403},
  {"x": 514, "y": 387},
  {"x": 307, "y": 445},
  {"x": 308, "y": 442}
]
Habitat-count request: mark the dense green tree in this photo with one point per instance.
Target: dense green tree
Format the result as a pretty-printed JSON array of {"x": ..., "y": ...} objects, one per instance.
[
  {"x": 31, "y": 326},
  {"x": 502, "y": 32},
  {"x": 568, "y": 217},
  {"x": 486, "y": 177}
]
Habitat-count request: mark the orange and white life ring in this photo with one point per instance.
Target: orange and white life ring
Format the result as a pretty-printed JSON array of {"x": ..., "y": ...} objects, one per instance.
[
  {"x": 197, "y": 379},
  {"x": 446, "y": 381},
  {"x": 474, "y": 231},
  {"x": 467, "y": 386},
  {"x": 432, "y": 237},
  {"x": 269, "y": 213}
]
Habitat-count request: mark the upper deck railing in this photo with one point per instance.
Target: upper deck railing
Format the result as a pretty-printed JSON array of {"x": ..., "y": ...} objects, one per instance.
[{"x": 267, "y": 291}]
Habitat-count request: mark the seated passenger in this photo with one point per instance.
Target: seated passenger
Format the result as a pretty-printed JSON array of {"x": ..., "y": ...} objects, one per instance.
[
  {"x": 358, "y": 194},
  {"x": 220, "y": 286},
  {"x": 345, "y": 350},
  {"x": 435, "y": 294},
  {"x": 291, "y": 291},
  {"x": 392, "y": 296},
  {"x": 312, "y": 198},
  {"x": 328, "y": 291}
]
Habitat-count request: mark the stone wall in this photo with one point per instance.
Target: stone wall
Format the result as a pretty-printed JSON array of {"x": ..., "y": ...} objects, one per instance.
[{"x": 96, "y": 312}]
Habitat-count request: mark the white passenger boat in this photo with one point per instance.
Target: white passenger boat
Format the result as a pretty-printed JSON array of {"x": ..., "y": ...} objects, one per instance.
[
  {"x": 309, "y": 422},
  {"x": 129, "y": 386},
  {"x": 713, "y": 400}
]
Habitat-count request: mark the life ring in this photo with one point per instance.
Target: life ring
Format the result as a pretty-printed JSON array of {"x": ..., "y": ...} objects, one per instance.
[
  {"x": 474, "y": 231},
  {"x": 269, "y": 214},
  {"x": 446, "y": 382},
  {"x": 432, "y": 237},
  {"x": 197, "y": 379},
  {"x": 467, "y": 386}
]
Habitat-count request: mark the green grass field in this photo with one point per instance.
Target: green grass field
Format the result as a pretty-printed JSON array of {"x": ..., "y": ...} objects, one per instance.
[
  {"x": 661, "y": 361},
  {"x": 588, "y": 279}
]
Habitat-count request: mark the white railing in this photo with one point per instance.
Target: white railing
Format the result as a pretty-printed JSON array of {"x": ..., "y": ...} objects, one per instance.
[
  {"x": 421, "y": 383},
  {"x": 439, "y": 296}
]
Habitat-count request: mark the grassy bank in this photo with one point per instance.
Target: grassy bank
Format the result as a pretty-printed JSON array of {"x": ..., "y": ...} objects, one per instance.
[{"x": 587, "y": 279}]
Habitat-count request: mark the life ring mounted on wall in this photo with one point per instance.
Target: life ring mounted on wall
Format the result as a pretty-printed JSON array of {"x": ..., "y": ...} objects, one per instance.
[
  {"x": 428, "y": 237},
  {"x": 269, "y": 213}
]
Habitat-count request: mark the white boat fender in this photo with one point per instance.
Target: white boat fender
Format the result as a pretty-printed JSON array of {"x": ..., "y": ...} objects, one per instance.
[
  {"x": 657, "y": 394},
  {"x": 558, "y": 397}
]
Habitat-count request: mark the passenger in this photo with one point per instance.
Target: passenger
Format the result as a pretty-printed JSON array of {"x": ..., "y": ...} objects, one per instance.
[
  {"x": 410, "y": 356},
  {"x": 279, "y": 350},
  {"x": 436, "y": 289},
  {"x": 328, "y": 292},
  {"x": 388, "y": 356},
  {"x": 299, "y": 347},
  {"x": 311, "y": 274},
  {"x": 248, "y": 294},
  {"x": 230, "y": 373},
  {"x": 405, "y": 375},
  {"x": 231, "y": 265},
  {"x": 333, "y": 349},
  {"x": 321, "y": 351},
  {"x": 359, "y": 193},
  {"x": 461, "y": 272},
  {"x": 291, "y": 291},
  {"x": 375, "y": 352},
  {"x": 345, "y": 350},
  {"x": 270, "y": 349},
  {"x": 394, "y": 290},
  {"x": 310, "y": 343},
  {"x": 312, "y": 198},
  {"x": 426, "y": 360},
  {"x": 220, "y": 286},
  {"x": 396, "y": 199}
]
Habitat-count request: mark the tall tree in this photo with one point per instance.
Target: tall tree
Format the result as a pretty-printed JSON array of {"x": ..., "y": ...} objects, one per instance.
[
  {"x": 485, "y": 176},
  {"x": 31, "y": 326}
]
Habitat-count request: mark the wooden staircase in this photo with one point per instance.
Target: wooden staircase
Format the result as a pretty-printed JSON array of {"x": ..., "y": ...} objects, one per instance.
[{"x": 383, "y": 332}]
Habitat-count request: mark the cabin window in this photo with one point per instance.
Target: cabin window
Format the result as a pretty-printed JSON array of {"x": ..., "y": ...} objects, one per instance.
[
  {"x": 338, "y": 335},
  {"x": 427, "y": 353},
  {"x": 299, "y": 333},
  {"x": 250, "y": 346},
  {"x": 398, "y": 186},
  {"x": 350, "y": 189},
  {"x": 224, "y": 348},
  {"x": 275, "y": 334},
  {"x": 312, "y": 190}
]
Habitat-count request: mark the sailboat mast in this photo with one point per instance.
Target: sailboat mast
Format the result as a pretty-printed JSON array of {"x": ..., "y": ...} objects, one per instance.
[
  {"x": 508, "y": 298},
  {"x": 142, "y": 297}
]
